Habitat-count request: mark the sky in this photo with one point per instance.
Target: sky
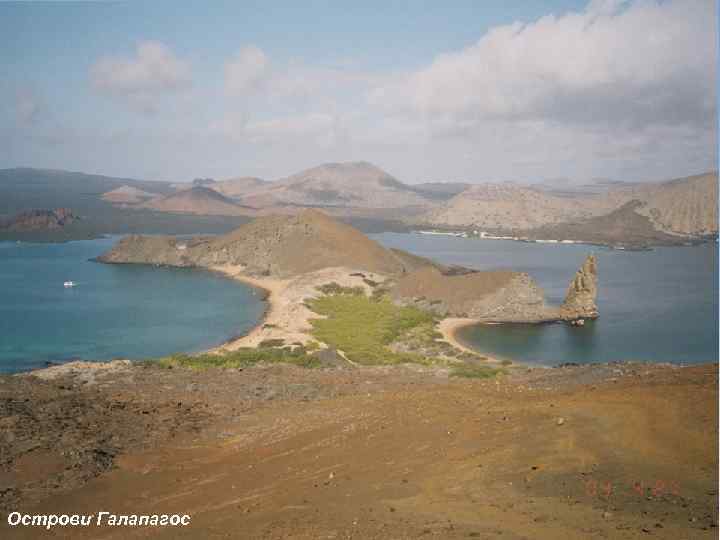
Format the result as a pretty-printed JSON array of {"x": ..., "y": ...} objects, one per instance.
[{"x": 459, "y": 90}]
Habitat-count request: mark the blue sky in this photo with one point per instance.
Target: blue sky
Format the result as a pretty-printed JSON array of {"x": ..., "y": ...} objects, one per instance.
[{"x": 458, "y": 90}]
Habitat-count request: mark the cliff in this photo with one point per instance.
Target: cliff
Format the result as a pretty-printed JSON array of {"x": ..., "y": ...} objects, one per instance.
[
  {"x": 582, "y": 293},
  {"x": 491, "y": 296},
  {"x": 498, "y": 296},
  {"x": 39, "y": 220}
]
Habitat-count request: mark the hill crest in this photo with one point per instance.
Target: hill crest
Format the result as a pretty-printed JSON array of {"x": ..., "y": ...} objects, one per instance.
[{"x": 198, "y": 200}]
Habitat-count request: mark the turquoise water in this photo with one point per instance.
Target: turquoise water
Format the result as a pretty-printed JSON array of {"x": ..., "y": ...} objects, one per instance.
[
  {"x": 655, "y": 306},
  {"x": 115, "y": 311}
]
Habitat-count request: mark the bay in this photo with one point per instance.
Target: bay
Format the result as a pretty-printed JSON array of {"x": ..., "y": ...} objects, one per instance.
[
  {"x": 655, "y": 306},
  {"x": 115, "y": 311}
]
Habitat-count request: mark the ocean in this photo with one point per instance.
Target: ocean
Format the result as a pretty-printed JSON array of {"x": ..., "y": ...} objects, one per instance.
[
  {"x": 655, "y": 306},
  {"x": 125, "y": 311}
]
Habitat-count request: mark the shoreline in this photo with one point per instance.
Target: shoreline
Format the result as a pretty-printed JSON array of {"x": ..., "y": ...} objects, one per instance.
[
  {"x": 449, "y": 327},
  {"x": 286, "y": 316},
  {"x": 285, "y": 304},
  {"x": 271, "y": 288}
]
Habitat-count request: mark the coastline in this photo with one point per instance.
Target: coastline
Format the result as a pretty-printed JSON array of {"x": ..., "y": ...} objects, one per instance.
[
  {"x": 449, "y": 327},
  {"x": 287, "y": 318},
  {"x": 271, "y": 288}
]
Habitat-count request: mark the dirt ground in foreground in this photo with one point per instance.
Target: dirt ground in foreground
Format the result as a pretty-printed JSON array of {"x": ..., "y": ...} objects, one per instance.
[{"x": 611, "y": 451}]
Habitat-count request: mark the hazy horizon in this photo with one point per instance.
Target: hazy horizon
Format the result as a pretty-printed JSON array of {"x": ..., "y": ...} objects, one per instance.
[{"x": 561, "y": 89}]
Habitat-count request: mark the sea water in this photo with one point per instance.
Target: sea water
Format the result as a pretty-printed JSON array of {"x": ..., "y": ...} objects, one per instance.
[
  {"x": 126, "y": 311},
  {"x": 655, "y": 306}
]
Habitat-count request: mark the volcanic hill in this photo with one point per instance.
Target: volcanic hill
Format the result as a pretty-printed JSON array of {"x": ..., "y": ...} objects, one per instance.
[
  {"x": 199, "y": 200},
  {"x": 287, "y": 247},
  {"x": 356, "y": 184},
  {"x": 280, "y": 246}
]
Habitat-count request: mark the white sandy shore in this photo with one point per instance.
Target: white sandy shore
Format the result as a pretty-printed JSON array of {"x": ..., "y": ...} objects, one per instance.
[
  {"x": 287, "y": 318},
  {"x": 449, "y": 326}
]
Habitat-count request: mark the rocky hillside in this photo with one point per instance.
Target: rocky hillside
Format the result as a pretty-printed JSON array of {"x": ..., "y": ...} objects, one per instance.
[
  {"x": 198, "y": 200},
  {"x": 508, "y": 206},
  {"x": 280, "y": 246},
  {"x": 357, "y": 184},
  {"x": 238, "y": 188},
  {"x": 488, "y": 295},
  {"x": 686, "y": 206},
  {"x": 127, "y": 195},
  {"x": 624, "y": 227},
  {"x": 497, "y": 296},
  {"x": 39, "y": 220}
]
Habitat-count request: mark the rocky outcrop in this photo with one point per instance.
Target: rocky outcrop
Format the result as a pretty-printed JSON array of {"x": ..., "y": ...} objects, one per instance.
[
  {"x": 490, "y": 296},
  {"x": 582, "y": 293},
  {"x": 39, "y": 220},
  {"x": 682, "y": 208},
  {"x": 497, "y": 296},
  {"x": 277, "y": 246}
]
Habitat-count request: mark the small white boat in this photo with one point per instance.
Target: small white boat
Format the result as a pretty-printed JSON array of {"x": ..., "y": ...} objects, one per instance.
[{"x": 69, "y": 284}]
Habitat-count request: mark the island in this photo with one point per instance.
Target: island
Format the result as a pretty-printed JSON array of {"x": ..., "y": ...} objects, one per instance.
[
  {"x": 299, "y": 258},
  {"x": 350, "y": 412}
]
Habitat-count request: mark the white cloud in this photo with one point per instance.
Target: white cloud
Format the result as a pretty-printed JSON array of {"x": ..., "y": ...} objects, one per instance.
[
  {"x": 319, "y": 126},
  {"x": 639, "y": 64},
  {"x": 247, "y": 69},
  {"x": 153, "y": 72}
]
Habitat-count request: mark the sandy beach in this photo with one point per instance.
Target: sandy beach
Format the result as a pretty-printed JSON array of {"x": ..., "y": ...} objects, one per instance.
[{"x": 286, "y": 317}]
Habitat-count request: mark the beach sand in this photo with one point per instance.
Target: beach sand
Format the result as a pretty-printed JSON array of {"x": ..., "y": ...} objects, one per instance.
[{"x": 287, "y": 318}]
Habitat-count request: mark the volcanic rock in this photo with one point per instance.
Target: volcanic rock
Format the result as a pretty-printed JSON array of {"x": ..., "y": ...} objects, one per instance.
[{"x": 582, "y": 293}]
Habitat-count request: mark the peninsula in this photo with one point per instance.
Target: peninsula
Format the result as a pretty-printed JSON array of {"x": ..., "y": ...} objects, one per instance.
[
  {"x": 399, "y": 433},
  {"x": 301, "y": 257}
]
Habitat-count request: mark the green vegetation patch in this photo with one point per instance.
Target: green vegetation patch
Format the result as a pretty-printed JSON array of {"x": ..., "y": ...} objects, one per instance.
[
  {"x": 274, "y": 342},
  {"x": 334, "y": 288},
  {"x": 470, "y": 371},
  {"x": 363, "y": 328},
  {"x": 242, "y": 358}
]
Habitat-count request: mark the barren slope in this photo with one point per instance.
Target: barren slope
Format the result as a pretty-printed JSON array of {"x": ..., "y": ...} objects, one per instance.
[
  {"x": 686, "y": 206},
  {"x": 237, "y": 188},
  {"x": 280, "y": 246},
  {"x": 509, "y": 206},
  {"x": 357, "y": 184},
  {"x": 198, "y": 200},
  {"x": 127, "y": 195},
  {"x": 280, "y": 452}
]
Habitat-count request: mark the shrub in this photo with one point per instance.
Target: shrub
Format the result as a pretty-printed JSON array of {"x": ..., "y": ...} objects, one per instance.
[
  {"x": 275, "y": 342},
  {"x": 474, "y": 372},
  {"x": 334, "y": 288},
  {"x": 363, "y": 328},
  {"x": 241, "y": 358}
]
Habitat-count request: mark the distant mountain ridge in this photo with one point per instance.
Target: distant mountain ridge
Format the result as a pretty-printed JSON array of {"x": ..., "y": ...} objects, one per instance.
[
  {"x": 683, "y": 206},
  {"x": 39, "y": 220},
  {"x": 355, "y": 184},
  {"x": 198, "y": 200},
  {"x": 127, "y": 195}
]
